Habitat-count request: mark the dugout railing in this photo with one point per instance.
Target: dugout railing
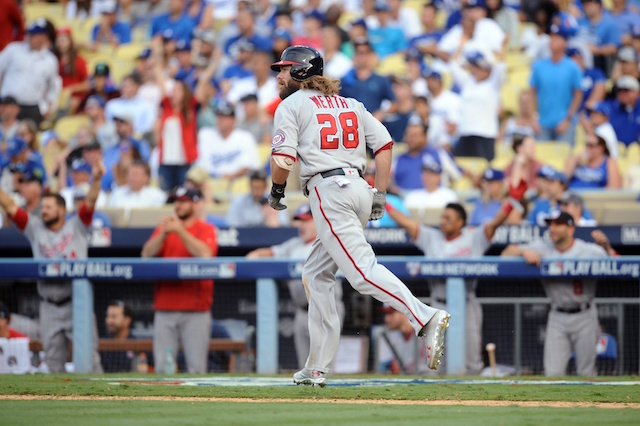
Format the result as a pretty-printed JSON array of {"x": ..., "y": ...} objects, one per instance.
[{"x": 268, "y": 270}]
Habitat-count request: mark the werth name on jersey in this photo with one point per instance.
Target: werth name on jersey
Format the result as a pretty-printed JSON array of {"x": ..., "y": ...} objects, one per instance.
[{"x": 333, "y": 101}]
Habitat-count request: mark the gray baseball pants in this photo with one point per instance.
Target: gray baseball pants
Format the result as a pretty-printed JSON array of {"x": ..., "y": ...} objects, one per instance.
[{"x": 192, "y": 329}]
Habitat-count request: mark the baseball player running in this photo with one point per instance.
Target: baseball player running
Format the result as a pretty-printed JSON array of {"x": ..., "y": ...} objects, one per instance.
[
  {"x": 572, "y": 325},
  {"x": 329, "y": 135},
  {"x": 53, "y": 237}
]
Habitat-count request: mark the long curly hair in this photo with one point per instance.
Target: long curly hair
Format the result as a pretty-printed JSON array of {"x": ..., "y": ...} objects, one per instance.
[{"x": 326, "y": 85}]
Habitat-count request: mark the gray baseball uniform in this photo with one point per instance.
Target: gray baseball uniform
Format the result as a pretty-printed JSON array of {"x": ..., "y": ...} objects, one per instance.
[
  {"x": 471, "y": 242},
  {"x": 332, "y": 134},
  {"x": 56, "y": 312},
  {"x": 572, "y": 326},
  {"x": 297, "y": 248}
]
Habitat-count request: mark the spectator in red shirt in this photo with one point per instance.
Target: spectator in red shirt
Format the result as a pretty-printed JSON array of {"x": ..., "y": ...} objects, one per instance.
[
  {"x": 71, "y": 67},
  {"x": 11, "y": 23},
  {"x": 182, "y": 307},
  {"x": 7, "y": 332}
]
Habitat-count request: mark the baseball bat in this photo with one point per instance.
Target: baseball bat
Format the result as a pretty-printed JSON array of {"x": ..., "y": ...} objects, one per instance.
[{"x": 491, "y": 350}]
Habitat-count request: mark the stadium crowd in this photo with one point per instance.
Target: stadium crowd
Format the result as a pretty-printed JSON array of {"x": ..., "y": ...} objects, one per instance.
[{"x": 174, "y": 94}]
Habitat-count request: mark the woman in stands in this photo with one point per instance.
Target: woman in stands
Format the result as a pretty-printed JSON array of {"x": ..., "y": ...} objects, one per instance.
[
  {"x": 72, "y": 67},
  {"x": 594, "y": 168}
]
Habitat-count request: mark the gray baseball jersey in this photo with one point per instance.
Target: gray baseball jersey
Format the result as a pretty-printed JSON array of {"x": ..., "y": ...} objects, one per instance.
[
  {"x": 70, "y": 242},
  {"x": 568, "y": 292},
  {"x": 332, "y": 128},
  {"x": 470, "y": 243}
]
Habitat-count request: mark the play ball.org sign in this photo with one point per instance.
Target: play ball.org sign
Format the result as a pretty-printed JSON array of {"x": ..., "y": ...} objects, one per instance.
[{"x": 85, "y": 270}]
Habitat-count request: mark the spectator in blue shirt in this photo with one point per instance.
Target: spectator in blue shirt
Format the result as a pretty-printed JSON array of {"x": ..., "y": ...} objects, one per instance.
[
  {"x": 599, "y": 31},
  {"x": 396, "y": 123},
  {"x": 593, "y": 84},
  {"x": 363, "y": 84},
  {"x": 110, "y": 30},
  {"x": 554, "y": 186},
  {"x": 625, "y": 110},
  {"x": 175, "y": 20},
  {"x": 387, "y": 38},
  {"x": 625, "y": 19},
  {"x": 245, "y": 21},
  {"x": 186, "y": 72},
  {"x": 427, "y": 42},
  {"x": 556, "y": 84},
  {"x": 487, "y": 206}
]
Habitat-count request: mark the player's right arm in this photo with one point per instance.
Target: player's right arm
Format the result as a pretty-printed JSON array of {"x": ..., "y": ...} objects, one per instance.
[
  {"x": 8, "y": 204},
  {"x": 260, "y": 252},
  {"x": 411, "y": 226},
  {"x": 529, "y": 252}
]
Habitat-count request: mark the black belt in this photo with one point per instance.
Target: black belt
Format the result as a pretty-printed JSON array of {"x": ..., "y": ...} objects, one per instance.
[
  {"x": 57, "y": 302},
  {"x": 336, "y": 172},
  {"x": 573, "y": 310}
]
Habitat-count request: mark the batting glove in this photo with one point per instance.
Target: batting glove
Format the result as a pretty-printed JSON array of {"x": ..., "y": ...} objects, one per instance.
[
  {"x": 378, "y": 206},
  {"x": 276, "y": 194}
]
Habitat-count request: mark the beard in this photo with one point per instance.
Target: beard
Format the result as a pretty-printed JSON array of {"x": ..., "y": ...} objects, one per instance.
[
  {"x": 52, "y": 221},
  {"x": 185, "y": 215},
  {"x": 288, "y": 90}
]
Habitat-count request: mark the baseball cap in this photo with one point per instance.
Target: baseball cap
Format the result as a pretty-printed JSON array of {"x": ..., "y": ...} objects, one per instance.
[
  {"x": 559, "y": 216},
  {"x": 627, "y": 54},
  {"x": 144, "y": 53},
  {"x": 185, "y": 194},
  {"x": 34, "y": 173},
  {"x": 96, "y": 100},
  {"x": 39, "y": 26},
  {"x": 431, "y": 164},
  {"x": 249, "y": 97},
  {"x": 573, "y": 51},
  {"x": 124, "y": 117},
  {"x": 431, "y": 73},
  {"x": 135, "y": 77},
  {"x": 8, "y": 100},
  {"x": 387, "y": 309},
  {"x": 564, "y": 25},
  {"x": 197, "y": 175},
  {"x": 546, "y": 172},
  {"x": 479, "y": 59},
  {"x": 572, "y": 198},
  {"x": 592, "y": 1},
  {"x": 258, "y": 175},
  {"x": 224, "y": 109},
  {"x": 245, "y": 45},
  {"x": 108, "y": 6},
  {"x": 492, "y": 175},
  {"x": 4, "y": 311},
  {"x": 382, "y": 6},
  {"x": 303, "y": 213},
  {"x": 206, "y": 36},
  {"x": 315, "y": 14},
  {"x": 359, "y": 23},
  {"x": 101, "y": 69},
  {"x": 15, "y": 146},
  {"x": 627, "y": 82},
  {"x": 48, "y": 136},
  {"x": 81, "y": 166},
  {"x": 361, "y": 41},
  {"x": 560, "y": 177},
  {"x": 183, "y": 46},
  {"x": 282, "y": 33},
  {"x": 168, "y": 35},
  {"x": 635, "y": 31},
  {"x": 601, "y": 108},
  {"x": 475, "y": 3}
]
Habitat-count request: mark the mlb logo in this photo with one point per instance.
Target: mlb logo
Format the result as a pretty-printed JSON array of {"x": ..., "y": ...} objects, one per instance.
[
  {"x": 413, "y": 268},
  {"x": 227, "y": 270},
  {"x": 554, "y": 268},
  {"x": 52, "y": 270}
]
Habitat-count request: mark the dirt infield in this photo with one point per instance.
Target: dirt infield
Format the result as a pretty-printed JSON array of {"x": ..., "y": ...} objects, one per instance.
[{"x": 534, "y": 404}]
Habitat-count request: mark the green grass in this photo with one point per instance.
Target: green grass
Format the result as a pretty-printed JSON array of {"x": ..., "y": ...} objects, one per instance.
[
  {"x": 79, "y": 385},
  {"x": 123, "y": 413}
]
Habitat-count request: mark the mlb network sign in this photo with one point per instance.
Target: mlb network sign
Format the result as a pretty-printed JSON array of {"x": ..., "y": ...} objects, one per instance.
[{"x": 592, "y": 268}]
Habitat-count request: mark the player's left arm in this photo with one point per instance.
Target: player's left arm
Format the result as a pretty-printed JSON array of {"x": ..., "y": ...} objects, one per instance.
[
  {"x": 85, "y": 212},
  {"x": 516, "y": 195},
  {"x": 284, "y": 152},
  {"x": 601, "y": 239}
]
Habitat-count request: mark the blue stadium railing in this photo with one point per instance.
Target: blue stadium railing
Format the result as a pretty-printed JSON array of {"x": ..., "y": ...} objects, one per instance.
[{"x": 266, "y": 271}]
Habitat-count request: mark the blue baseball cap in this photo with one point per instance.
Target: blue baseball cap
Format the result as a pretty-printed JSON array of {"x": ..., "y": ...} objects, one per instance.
[
  {"x": 431, "y": 73},
  {"x": 34, "y": 172},
  {"x": 479, "y": 59},
  {"x": 431, "y": 164},
  {"x": 560, "y": 177},
  {"x": 15, "y": 146},
  {"x": 315, "y": 14},
  {"x": 601, "y": 108},
  {"x": 491, "y": 175},
  {"x": 80, "y": 165},
  {"x": 382, "y": 6},
  {"x": 144, "y": 54},
  {"x": 282, "y": 33},
  {"x": 39, "y": 26},
  {"x": 573, "y": 51},
  {"x": 546, "y": 172},
  {"x": 168, "y": 35},
  {"x": 564, "y": 25},
  {"x": 359, "y": 22},
  {"x": 48, "y": 136},
  {"x": 475, "y": 3}
]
